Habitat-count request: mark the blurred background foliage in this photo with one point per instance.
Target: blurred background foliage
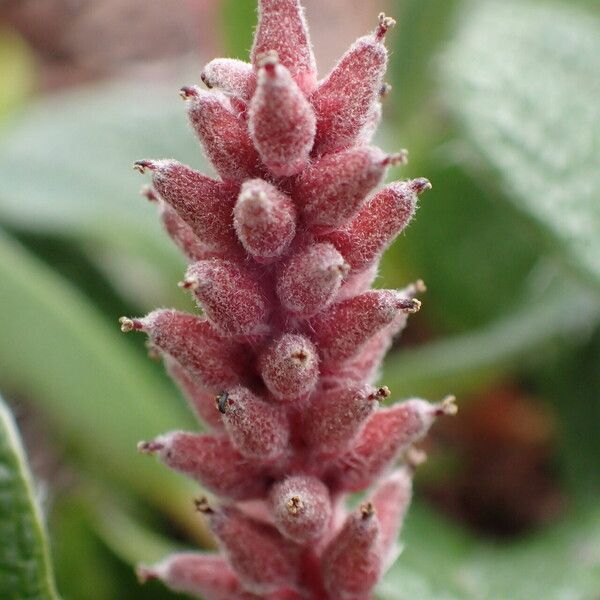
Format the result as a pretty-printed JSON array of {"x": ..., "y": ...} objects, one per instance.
[{"x": 497, "y": 102}]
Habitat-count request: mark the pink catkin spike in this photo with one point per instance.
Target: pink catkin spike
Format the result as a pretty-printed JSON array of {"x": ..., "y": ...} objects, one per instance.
[
  {"x": 200, "y": 401},
  {"x": 345, "y": 327},
  {"x": 332, "y": 189},
  {"x": 223, "y": 135},
  {"x": 257, "y": 552},
  {"x": 190, "y": 340},
  {"x": 289, "y": 367},
  {"x": 352, "y": 562},
  {"x": 203, "y": 203},
  {"x": 378, "y": 222},
  {"x": 259, "y": 430},
  {"x": 387, "y": 433},
  {"x": 264, "y": 220},
  {"x": 334, "y": 418},
  {"x": 310, "y": 280},
  {"x": 390, "y": 499},
  {"x": 344, "y": 100},
  {"x": 201, "y": 575},
  {"x": 280, "y": 120},
  {"x": 301, "y": 508},
  {"x": 231, "y": 76},
  {"x": 210, "y": 460},
  {"x": 232, "y": 299},
  {"x": 282, "y": 28}
]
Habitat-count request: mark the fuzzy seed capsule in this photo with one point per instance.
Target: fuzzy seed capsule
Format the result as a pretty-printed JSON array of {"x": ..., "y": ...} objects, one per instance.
[
  {"x": 378, "y": 222},
  {"x": 342, "y": 330},
  {"x": 344, "y": 100},
  {"x": 310, "y": 280},
  {"x": 210, "y": 460},
  {"x": 264, "y": 219},
  {"x": 232, "y": 299},
  {"x": 222, "y": 134},
  {"x": 257, "y": 552},
  {"x": 214, "y": 362},
  {"x": 205, "y": 204},
  {"x": 289, "y": 367},
  {"x": 390, "y": 499},
  {"x": 332, "y": 189},
  {"x": 201, "y": 575},
  {"x": 386, "y": 434},
  {"x": 301, "y": 508},
  {"x": 257, "y": 429},
  {"x": 335, "y": 417},
  {"x": 231, "y": 76},
  {"x": 352, "y": 561},
  {"x": 282, "y": 28},
  {"x": 280, "y": 120}
]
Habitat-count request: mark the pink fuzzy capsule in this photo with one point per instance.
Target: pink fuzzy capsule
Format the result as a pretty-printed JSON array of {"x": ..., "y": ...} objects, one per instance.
[
  {"x": 205, "y": 576},
  {"x": 264, "y": 219},
  {"x": 281, "y": 121},
  {"x": 335, "y": 417},
  {"x": 215, "y": 363},
  {"x": 205, "y": 204},
  {"x": 259, "y": 430},
  {"x": 223, "y": 135},
  {"x": 232, "y": 299},
  {"x": 301, "y": 508},
  {"x": 386, "y": 434},
  {"x": 289, "y": 366},
  {"x": 310, "y": 279},
  {"x": 331, "y": 190},
  {"x": 345, "y": 327},
  {"x": 282, "y": 28},
  {"x": 231, "y": 76},
  {"x": 390, "y": 499},
  {"x": 210, "y": 460},
  {"x": 257, "y": 552},
  {"x": 344, "y": 100},
  {"x": 352, "y": 561},
  {"x": 377, "y": 223},
  {"x": 200, "y": 401}
]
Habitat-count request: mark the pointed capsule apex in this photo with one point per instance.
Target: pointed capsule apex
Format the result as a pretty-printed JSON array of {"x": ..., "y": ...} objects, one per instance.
[
  {"x": 128, "y": 324},
  {"x": 410, "y": 305},
  {"x": 385, "y": 24},
  {"x": 420, "y": 185},
  {"x": 294, "y": 505},
  {"x": 398, "y": 158},
  {"x": 367, "y": 510},
  {"x": 385, "y": 90},
  {"x": 142, "y": 165},
  {"x": 381, "y": 394},
  {"x": 446, "y": 407},
  {"x": 189, "y": 283},
  {"x": 145, "y": 573},
  {"x": 202, "y": 505},
  {"x": 221, "y": 402},
  {"x": 187, "y": 92},
  {"x": 149, "y": 447},
  {"x": 268, "y": 60}
]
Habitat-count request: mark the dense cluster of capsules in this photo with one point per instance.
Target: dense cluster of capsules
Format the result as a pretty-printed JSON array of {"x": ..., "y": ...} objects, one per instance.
[{"x": 280, "y": 366}]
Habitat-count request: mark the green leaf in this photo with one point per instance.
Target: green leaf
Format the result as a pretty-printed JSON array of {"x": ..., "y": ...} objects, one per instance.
[
  {"x": 93, "y": 387},
  {"x": 25, "y": 568},
  {"x": 440, "y": 562},
  {"x": 458, "y": 363},
  {"x": 524, "y": 82}
]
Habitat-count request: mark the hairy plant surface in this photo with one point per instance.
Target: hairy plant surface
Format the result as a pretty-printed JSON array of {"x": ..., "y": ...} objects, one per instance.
[{"x": 280, "y": 367}]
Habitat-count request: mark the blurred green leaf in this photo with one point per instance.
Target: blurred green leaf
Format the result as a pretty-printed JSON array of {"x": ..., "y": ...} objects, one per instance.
[
  {"x": 238, "y": 19},
  {"x": 88, "y": 381},
  {"x": 25, "y": 568},
  {"x": 66, "y": 169},
  {"x": 456, "y": 364},
  {"x": 16, "y": 66},
  {"x": 524, "y": 82},
  {"x": 442, "y": 563}
]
